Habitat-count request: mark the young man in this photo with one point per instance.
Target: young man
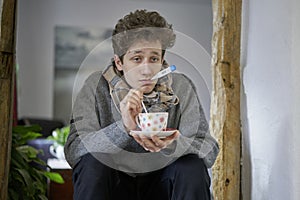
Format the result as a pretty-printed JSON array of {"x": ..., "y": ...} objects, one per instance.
[{"x": 110, "y": 161}]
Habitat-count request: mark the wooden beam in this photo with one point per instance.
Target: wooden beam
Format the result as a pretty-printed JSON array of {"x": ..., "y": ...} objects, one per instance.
[
  {"x": 7, "y": 70},
  {"x": 225, "y": 104}
]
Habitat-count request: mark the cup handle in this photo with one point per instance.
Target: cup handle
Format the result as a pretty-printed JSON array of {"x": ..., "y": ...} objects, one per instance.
[
  {"x": 165, "y": 125},
  {"x": 52, "y": 151},
  {"x": 137, "y": 121}
]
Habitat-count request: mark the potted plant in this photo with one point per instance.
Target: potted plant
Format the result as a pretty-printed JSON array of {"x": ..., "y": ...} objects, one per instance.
[
  {"x": 27, "y": 179},
  {"x": 59, "y": 136}
]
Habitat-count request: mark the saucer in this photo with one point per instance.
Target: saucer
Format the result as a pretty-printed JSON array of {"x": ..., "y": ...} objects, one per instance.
[{"x": 161, "y": 134}]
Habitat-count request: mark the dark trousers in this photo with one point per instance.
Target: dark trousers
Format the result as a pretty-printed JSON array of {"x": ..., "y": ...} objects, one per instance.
[{"x": 185, "y": 179}]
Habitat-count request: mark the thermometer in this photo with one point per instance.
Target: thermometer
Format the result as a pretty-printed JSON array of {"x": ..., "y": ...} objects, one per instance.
[{"x": 164, "y": 72}]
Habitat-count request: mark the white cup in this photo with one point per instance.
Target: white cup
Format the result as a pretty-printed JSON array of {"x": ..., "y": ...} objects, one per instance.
[
  {"x": 57, "y": 151},
  {"x": 149, "y": 122}
]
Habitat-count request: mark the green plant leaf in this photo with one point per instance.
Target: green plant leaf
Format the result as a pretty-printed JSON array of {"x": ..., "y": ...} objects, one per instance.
[
  {"x": 39, "y": 183},
  {"x": 13, "y": 195},
  {"x": 17, "y": 177},
  {"x": 21, "y": 134},
  {"x": 26, "y": 129},
  {"x": 30, "y": 151},
  {"x": 59, "y": 136},
  {"x": 27, "y": 152},
  {"x": 42, "y": 197},
  {"x": 17, "y": 160},
  {"x": 28, "y": 136},
  {"x": 53, "y": 176},
  {"x": 39, "y": 162},
  {"x": 27, "y": 179}
]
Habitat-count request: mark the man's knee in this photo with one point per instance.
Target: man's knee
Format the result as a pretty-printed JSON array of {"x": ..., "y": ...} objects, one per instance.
[
  {"x": 192, "y": 169},
  {"x": 90, "y": 168}
]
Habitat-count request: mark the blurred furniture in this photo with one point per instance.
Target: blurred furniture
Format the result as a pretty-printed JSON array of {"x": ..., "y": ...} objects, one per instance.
[{"x": 58, "y": 191}]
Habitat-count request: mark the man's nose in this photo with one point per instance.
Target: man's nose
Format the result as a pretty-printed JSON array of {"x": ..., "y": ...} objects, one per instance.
[{"x": 146, "y": 69}]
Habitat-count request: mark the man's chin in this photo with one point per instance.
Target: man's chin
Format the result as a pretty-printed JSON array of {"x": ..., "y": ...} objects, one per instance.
[{"x": 147, "y": 89}]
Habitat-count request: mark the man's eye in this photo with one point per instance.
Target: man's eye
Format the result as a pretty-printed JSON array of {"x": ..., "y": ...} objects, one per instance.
[
  {"x": 136, "y": 59},
  {"x": 154, "y": 59}
]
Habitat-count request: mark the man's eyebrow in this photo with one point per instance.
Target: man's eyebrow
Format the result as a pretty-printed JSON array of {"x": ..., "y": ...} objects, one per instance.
[
  {"x": 141, "y": 51},
  {"x": 157, "y": 53},
  {"x": 135, "y": 51}
]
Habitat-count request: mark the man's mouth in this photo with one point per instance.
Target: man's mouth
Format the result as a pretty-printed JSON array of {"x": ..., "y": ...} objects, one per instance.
[{"x": 146, "y": 82}]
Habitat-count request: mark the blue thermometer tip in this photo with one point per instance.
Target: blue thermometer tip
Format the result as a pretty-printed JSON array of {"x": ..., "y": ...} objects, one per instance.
[{"x": 173, "y": 67}]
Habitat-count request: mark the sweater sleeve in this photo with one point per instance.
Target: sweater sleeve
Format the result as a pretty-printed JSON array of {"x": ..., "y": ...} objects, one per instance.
[{"x": 86, "y": 132}]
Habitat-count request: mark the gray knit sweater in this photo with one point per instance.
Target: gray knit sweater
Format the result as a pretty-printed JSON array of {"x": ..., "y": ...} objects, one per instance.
[{"x": 97, "y": 128}]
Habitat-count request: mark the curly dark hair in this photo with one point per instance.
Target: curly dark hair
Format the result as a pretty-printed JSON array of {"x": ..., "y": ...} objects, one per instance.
[{"x": 142, "y": 25}]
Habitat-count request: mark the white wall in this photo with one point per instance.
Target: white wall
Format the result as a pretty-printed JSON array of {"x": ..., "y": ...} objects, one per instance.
[
  {"x": 35, "y": 38},
  {"x": 270, "y": 58},
  {"x": 295, "y": 138}
]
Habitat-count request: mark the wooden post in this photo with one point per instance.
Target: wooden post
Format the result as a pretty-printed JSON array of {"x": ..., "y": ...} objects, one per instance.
[
  {"x": 7, "y": 70},
  {"x": 225, "y": 104}
]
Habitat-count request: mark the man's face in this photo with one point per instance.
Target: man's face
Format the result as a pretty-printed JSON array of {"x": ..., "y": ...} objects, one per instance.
[{"x": 140, "y": 63}]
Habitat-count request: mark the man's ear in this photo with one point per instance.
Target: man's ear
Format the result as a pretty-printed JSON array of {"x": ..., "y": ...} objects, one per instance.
[{"x": 118, "y": 62}]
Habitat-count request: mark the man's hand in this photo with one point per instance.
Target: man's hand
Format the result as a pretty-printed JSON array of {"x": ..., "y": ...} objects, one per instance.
[
  {"x": 130, "y": 106},
  {"x": 155, "y": 144}
]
